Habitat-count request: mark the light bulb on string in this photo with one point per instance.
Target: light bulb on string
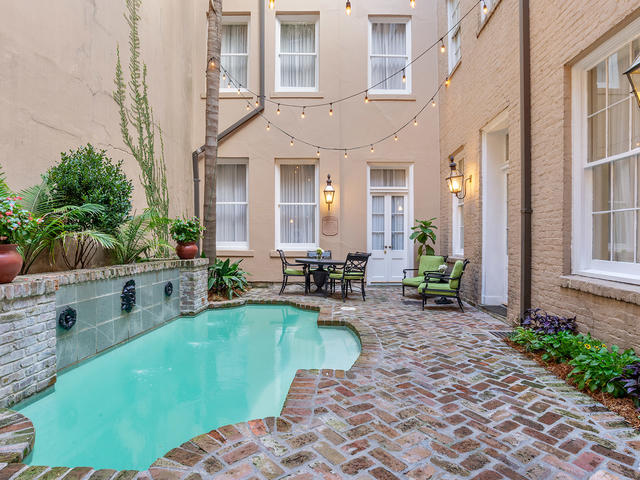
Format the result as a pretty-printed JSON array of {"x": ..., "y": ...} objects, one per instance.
[
  {"x": 257, "y": 102},
  {"x": 372, "y": 150},
  {"x": 238, "y": 90},
  {"x": 345, "y": 154},
  {"x": 331, "y": 109},
  {"x": 268, "y": 126},
  {"x": 404, "y": 76},
  {"x": 212, "y": 64},
  {"x": 412, "y": 3},
  {"x": 272, "y": 4},
  {"x": 302, "y": 114},
  {"x": 395, "y": 138},
  {"x": 348, "y": 7},
  {"x": 248, "y": 106},
  {"x": 317, "y": 152},
  {"x": 278, "y": 111},
  {"x": 433, "y": 102},
  {"x": 224, "y": 77},
  {"x": 442, "y": 47},
  {"x": 415, "y": 121},
  {"x": 447, "y": 82},
  {"x": 366, "y": 97},
  {"x": 291, "y": 142},
  {"x": 229, "y": 85},
  {"x": 485, "y": 9}
]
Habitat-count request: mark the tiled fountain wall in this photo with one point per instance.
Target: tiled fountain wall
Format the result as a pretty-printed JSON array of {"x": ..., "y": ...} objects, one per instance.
[{"x": 33, "y": 343}]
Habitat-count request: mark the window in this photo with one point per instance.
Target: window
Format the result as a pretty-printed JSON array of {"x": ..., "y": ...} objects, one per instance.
[
  {"x": 388, "y": 178},
  {"x": 232, "y": 219},
  {"x": 453, "y": 16},
  {"x": 490, "y": 5},
  {"x": 457, "y": 220},
  {"x": 296, "y": 54},
  {"x": 607, "y": 165},
  {"x": 235, "y": 52},
  {"x": 389, "y": 48},
  {"x": 297, "y": 206}
]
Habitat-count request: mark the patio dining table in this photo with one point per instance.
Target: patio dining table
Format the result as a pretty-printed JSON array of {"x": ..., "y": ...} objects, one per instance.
[{"x": 321, "y": 273}]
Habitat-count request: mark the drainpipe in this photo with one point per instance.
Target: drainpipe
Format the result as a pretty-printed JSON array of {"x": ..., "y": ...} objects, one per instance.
[
  {"x": 237, "y": 125},
  {"x": 525, "y": 156}
]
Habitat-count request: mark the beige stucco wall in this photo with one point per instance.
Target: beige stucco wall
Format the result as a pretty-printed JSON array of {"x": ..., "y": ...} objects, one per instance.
[
  {"x": 492, "y": 55},
  {"x": 57, "y": 64},
  {"x": 343, "y": 51}
]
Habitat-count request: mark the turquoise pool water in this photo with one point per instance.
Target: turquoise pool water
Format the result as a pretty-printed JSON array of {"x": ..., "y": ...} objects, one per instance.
[{"x": 129, "y": 406}]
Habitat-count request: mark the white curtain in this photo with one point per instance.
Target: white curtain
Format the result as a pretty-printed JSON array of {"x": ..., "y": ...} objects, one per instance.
[
  {"x": 297, "y": 204},
  {"x": 377, "y": 222},
  {"x": 388, "y": 54},
  {"x": 231, "y": 206},
  {"x": 387, "y": 177},
  {"x": 298, "y": 55},
  {"x": 234, "y": 54},
  {"x": 397, "y": 223},
  {"x": 623, "y": 222}
]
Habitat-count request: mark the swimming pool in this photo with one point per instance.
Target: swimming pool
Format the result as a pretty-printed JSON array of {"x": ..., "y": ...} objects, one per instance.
[{"x": 131, "y": 405}]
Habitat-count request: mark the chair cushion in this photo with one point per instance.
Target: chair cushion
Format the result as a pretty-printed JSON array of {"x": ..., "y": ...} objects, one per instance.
[
  {"x": 348, "y": 276},
  {"x": 293, "y": 271},
  {"x": 436, "y": 289},
  {"x": 413, "y": 281},
  {"x": 456, "y": 273},
  {"x": 429, "y": 263}
]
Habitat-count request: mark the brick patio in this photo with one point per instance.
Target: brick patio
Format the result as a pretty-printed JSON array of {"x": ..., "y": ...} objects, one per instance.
[{"x": 434, "y": 395}]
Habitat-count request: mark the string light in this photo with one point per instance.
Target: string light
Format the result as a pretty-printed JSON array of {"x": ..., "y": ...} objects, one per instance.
[
  {"x": 224, "y": 77},
  {"x": 248, "y": 107},
  {"x": 447, "y": 82},
  {"x": 278, "y": 111},
  {"x": 238, "y": 90},
  {"x": 415, "y": 121},
  {"x": 433, "y": 102},
  {"x": 395, "y": 137},
  {"x": 348, "y": 7},
  {"x": 268, "y": 126},
  {"x": 302, "y": 114},
  {"x": 272, "y": 4},
  {"x": 485, "y": 9},
  {"x": 404, "y": 76},
  {"x": 345, "y": 154},
  {"x": 331, "y": 110},
  {"x": 412, "y": 3},
  {"x": 229, "y": 85},
  {"x": 317, "y": 152},
  {"x": 291, "y": 142},
  {"x": 372, "y": 150},
  {"x": 442, "y": 47},
  {"x": 212, "y": 64},
  {"x": 257, "y": 103},
  {"x": 366, "y": 97}
]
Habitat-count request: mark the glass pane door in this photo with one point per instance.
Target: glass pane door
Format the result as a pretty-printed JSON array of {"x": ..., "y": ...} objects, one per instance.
[
  {"x": 377, "y": 222},
  {"x": 397, "y": 223}
]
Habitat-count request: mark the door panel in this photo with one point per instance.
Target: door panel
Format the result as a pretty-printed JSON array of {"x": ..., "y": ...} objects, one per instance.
[
  {"x": 377, "y": 267},
  {"x": 388, "y": 237}
]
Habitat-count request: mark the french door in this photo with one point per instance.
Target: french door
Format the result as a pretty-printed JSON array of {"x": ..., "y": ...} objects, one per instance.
[{"x": 388, "y": 237}]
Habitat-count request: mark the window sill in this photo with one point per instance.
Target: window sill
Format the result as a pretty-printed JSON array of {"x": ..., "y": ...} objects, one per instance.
[
  {"x": 226, "y": 252},
  {"x": 277, "y": 95},
  {"x": 623, "y": 292},
  {"x": 454, "y": 258},
  {"x": 388, "y": 97},
  {"x": 455, "y": 68},
  {"x": 234, "y": 95}
]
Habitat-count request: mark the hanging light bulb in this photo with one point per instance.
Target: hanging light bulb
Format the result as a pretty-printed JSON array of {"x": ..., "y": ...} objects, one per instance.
[
  {"x": 291, "y": 142},
  {"x": 348, "y": 7},
  {"x": 485, "y": 9},
  {"x": 257, "y": 102},
  {"x": 318, "y": 152},
  {"x": 415, "y": 121},
  {"x": 224, "y": 76},
  {"x": 404, "y": 76},
  {"x": 331, "y": 109},
  {"x": 372, "y": 150},
  {"x": 412, "y": 3},
  {"x": 302, "y": 114},
  {"x": 366, "y": 97},
  {"x": 442, "y": 47},
  {"x": 248, "y": 106},
  {"x": 229, "y": 85},
  {"x": 345, "y": 154},
  {"x": 395, "y": 138},
  {"x": 447, "y": 82},
  {"x": 272, "y": 4},
  {"x": 433, "y": 102},
  {"x": 238, "y": 90},
  {"x": 278, "y": 111},
  {"x": 212, "y": 64},
  {"x": 268, "y": 126}
]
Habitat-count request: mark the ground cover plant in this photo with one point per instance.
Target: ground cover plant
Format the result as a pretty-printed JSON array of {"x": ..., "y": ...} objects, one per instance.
[
  {"x": 607, "y": 373},
  {"x": 227, "y": 279}
]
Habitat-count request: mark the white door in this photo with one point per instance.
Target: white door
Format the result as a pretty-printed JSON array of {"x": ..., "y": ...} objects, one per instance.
[{"x": 388, "y": 237}]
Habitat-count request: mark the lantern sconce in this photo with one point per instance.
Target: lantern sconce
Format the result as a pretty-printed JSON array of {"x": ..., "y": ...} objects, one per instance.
[
  {"x": 456, "y": 181},
  {"x": 329, "y": 192},
  {"x": 633, "y": 75}
]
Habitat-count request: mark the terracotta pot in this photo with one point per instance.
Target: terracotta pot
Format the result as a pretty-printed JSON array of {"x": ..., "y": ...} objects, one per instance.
[
  {"x": 10, "y": 262},
  {"x": 187, "y": 250}
]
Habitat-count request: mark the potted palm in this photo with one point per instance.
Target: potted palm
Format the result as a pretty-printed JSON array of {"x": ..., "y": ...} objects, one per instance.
[
  {"x": 14, "y": 221},
  {"x": 186, "y": 232}
]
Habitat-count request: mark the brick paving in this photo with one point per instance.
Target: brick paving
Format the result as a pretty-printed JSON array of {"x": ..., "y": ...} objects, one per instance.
[{"x": 434, "y": 395}]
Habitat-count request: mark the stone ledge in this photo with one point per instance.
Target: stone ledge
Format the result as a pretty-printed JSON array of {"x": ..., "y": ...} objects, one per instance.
[
  {"x": 17, "y": 436},
  {"x": 602, "y": 288}
]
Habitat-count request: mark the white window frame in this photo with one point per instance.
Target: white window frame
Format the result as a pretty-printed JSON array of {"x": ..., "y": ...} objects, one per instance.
[
  {"x": 305, "y": 19},
  {"x": 454, "y": 58},
  {"x": 457, "y": 221},
  {"x": 316, "y": 204},
  {"x": 408, "y": 55},
  {"x": 236, "y": 245},
  {"x": 582, "y": 198},
  {"x": 238, "y": 20}
]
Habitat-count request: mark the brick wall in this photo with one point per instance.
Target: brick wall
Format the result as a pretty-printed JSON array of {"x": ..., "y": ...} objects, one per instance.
[{"x": 487, "y": 83}]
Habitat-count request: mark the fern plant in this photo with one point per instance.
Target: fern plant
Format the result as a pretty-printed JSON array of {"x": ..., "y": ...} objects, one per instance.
[
  {"x": 134, "y": 240},
  {"x": 139, "y": 119}
]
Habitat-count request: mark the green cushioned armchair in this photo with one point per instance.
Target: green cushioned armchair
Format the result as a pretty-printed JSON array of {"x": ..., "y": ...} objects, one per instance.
[
  {"x": 432, "y": 285},
  {"x": 428, "y": 263},
  {"x": 290, "y": 269}
]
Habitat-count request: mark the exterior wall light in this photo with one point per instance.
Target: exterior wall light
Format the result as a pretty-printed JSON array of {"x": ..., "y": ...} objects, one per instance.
[
  {"x": 633, "y": 74},
  {"x": 329, "y": 192},
  {"x": 456, "y": 181}
]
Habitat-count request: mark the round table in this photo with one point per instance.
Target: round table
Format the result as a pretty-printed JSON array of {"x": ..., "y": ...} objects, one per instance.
[{"x": 321, "y": 273}]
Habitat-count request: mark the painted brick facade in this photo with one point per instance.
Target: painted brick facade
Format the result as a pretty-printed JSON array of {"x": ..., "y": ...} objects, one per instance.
[{"x": 561, "y": 33}]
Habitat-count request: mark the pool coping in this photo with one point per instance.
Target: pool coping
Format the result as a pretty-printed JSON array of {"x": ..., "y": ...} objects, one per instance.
[{"x": 17, "y": 433}]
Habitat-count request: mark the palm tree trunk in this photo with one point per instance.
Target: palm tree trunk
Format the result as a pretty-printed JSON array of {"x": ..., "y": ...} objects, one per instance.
[{"x": 214, "y": 40}]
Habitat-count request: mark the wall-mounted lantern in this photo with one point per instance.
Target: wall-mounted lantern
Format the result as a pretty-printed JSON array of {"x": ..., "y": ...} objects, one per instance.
[
  {"x": 633, "y": 74},
  {"x": 456, "y": 181},
  {"x": 329, "y": 192}
]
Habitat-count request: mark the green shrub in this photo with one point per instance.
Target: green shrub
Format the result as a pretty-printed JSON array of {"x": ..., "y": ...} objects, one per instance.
[
  {"x": 226, "y": 278},
  {"x": 185, "y": 231},
  {"x": 88, "y": 176}
]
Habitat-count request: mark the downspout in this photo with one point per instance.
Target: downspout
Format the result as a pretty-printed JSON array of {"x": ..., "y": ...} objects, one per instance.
[
  {"x": 525, "y": 155},
  {"x": 240, "y": 123}
]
